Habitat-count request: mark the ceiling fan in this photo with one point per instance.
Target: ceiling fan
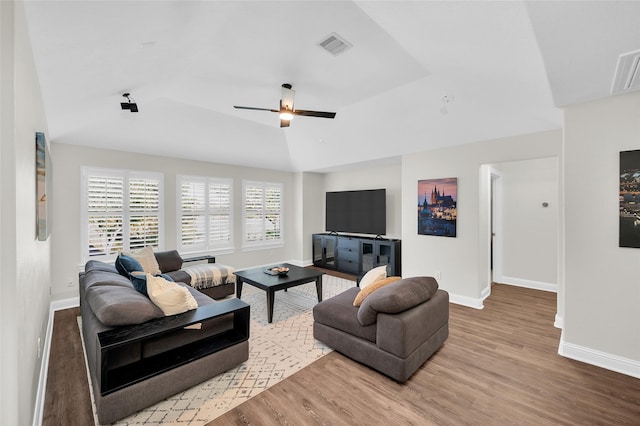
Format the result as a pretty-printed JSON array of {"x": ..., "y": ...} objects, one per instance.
[{"x": 286, "y": 111}]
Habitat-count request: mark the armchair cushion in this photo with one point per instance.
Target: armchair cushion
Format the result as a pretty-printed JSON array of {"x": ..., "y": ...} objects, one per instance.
[
  {"x": 371, "y": 288},
  {"x": 396, "y": 297},
  {"x": 338, "y": 312}
]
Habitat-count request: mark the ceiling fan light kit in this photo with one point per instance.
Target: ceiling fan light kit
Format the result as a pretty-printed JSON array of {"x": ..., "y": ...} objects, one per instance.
[
  {"x": 286, "y": 112},
  {"x": 286, "y": 115}
]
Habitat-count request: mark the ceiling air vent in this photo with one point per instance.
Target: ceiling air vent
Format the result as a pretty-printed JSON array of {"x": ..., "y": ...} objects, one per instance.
[
  {"x": 627, "y": 77},
  {"x": 334, "y": 44}
]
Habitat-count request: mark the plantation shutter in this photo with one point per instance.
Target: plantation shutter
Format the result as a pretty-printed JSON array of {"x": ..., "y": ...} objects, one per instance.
[
  {"x": 262, "y": 213},
  {"x": 192, "y": 214},
  {"x": 253, "y": 213},
  {"x": 220, "y": 214},
  {"x": 105, "y": 214},
  {"x": 144, "y": 213},
  {"x": 272, "y": 213},
  {"x": 122, "y": 211},
  {"x": 205, "y": 213}
]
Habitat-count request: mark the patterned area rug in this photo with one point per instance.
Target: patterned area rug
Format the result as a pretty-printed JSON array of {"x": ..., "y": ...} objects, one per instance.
[{"x": 276, "y": 351}]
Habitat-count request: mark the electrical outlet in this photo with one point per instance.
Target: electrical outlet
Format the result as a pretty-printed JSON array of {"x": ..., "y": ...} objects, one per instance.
[
  {"x": 438, "y": 275},
  {"x": 70, "y": 283}
]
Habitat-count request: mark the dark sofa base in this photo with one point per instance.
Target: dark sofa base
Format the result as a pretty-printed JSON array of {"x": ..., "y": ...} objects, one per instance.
[
  {"x": 220, "y": 291},
  {"x": 367, "y": 353},
  {"x": 131, "y": 399}
]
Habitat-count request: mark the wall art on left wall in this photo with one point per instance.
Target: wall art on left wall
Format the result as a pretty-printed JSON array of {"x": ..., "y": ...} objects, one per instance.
[{"x": 42, "y": 230}]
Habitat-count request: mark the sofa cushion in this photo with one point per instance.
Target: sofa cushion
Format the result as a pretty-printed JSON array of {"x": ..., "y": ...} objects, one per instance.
[
  {"x": 96, "y": 265},
  {"x": 338, "y": 312},
  {"x": 168, "y": 260},
  {"x": 116, "y": 302},
  {"x": 147, "y": 259},
  {"x": 98, "y": 276},
  {"x": 126, "y": 264},
  {"x": 371, "y": 288},
  {"x": 373, "y": 275},
  {"x": 396, "y": 297},
  {"x": 170, "y": 297}
]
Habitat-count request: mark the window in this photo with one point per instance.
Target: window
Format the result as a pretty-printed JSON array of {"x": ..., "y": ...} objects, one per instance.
[
  {"x": 121, "y": 211},
  {"x": 262, "y": 214},
  {"x": 205, "y": 216}
]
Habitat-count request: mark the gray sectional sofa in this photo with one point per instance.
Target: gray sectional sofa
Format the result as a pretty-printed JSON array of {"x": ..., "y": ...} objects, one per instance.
[
  {"x": 137, "y": 356},
  {"x": 395, "y": 330}
]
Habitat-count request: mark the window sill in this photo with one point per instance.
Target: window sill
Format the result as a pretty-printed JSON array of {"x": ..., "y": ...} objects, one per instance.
[{"x": 256, "y": 247}]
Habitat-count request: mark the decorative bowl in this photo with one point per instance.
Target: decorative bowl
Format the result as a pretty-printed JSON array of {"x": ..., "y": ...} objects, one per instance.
[{"x": 280, "y": 270}]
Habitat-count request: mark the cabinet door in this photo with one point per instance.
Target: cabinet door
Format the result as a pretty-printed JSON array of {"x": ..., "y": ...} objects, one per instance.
[
  {"x": 330, "y": 243},
  {"x": 367, "y": 250},
  {"x": 388, "y": 253},
  {"x": 318, "y": 247}
]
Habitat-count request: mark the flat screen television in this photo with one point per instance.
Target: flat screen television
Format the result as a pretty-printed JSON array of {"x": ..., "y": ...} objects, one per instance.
[{"x": 361, "y": 212}]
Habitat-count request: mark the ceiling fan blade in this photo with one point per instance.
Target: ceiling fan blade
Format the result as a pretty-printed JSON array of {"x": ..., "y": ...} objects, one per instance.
[
  {"x": 321, "y": 114},
  {"x": 285, "y": 123},
  {"x": 255, "y": 108}
]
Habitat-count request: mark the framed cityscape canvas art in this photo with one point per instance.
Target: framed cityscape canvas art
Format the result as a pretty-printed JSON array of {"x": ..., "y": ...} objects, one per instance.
[
  {"x": 629, "y": 235},
  {"x": 437, "y": 207}
]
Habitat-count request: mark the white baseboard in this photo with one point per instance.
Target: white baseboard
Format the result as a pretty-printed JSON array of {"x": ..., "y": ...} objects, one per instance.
[
  {"x": 466, "y": 301},
  {"x": 56, "y": 305},
  {"x": 485, "y": 293},
  {"x": 300, "y": 263},
  {"x": 559, "y": 322},
  {"x": 535, "y": 285},
  {"x": 599, "y": 359}
]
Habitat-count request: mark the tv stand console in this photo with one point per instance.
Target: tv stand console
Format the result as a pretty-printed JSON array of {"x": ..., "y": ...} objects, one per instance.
[{"x": 356, "y": 255}]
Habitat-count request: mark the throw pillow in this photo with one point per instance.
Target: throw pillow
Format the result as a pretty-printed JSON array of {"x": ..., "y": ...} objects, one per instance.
[
  {"x": 147, "y": 259},
  {"x": 139, "y": 281},
  {"x": 127, "y": 264},
  {"x": 363, "y": 293},
  {"x": 170, "y": 297},
  {"x": 373, "y": 275}
]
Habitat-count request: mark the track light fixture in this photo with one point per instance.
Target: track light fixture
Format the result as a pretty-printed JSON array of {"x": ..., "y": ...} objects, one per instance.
[{"x": 130, "y": 104}]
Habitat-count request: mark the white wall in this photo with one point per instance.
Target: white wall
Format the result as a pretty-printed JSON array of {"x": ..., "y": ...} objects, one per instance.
[
  {"x": 25, "y": 261},
  {"x": 312, "y": 212},
  {"x": 529, "y": 231},
  {"x": 602, "y": 280},
  {"x": 463, "y": 261},
  {"x": 69, "y": 159},
  {"x": 385, "y": 176}
]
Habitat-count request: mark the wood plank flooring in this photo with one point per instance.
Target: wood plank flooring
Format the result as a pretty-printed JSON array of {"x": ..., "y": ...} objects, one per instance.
[
  {"x": 67, "y": 399},
  {"x": 499, "y": 366}
]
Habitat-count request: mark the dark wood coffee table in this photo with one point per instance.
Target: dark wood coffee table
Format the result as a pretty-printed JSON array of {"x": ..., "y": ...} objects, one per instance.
[{"x": 272, "y": 283}]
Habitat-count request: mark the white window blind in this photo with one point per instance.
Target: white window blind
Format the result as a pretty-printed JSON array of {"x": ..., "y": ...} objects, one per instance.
[
  {"x": 121, "y": 211},
  {"x": 205, "y": 214},
  {"x": 262, "y": 213}
]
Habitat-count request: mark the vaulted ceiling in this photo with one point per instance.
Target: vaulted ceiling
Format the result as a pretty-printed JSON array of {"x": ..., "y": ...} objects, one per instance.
[{"x": 418, "y": 75}]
